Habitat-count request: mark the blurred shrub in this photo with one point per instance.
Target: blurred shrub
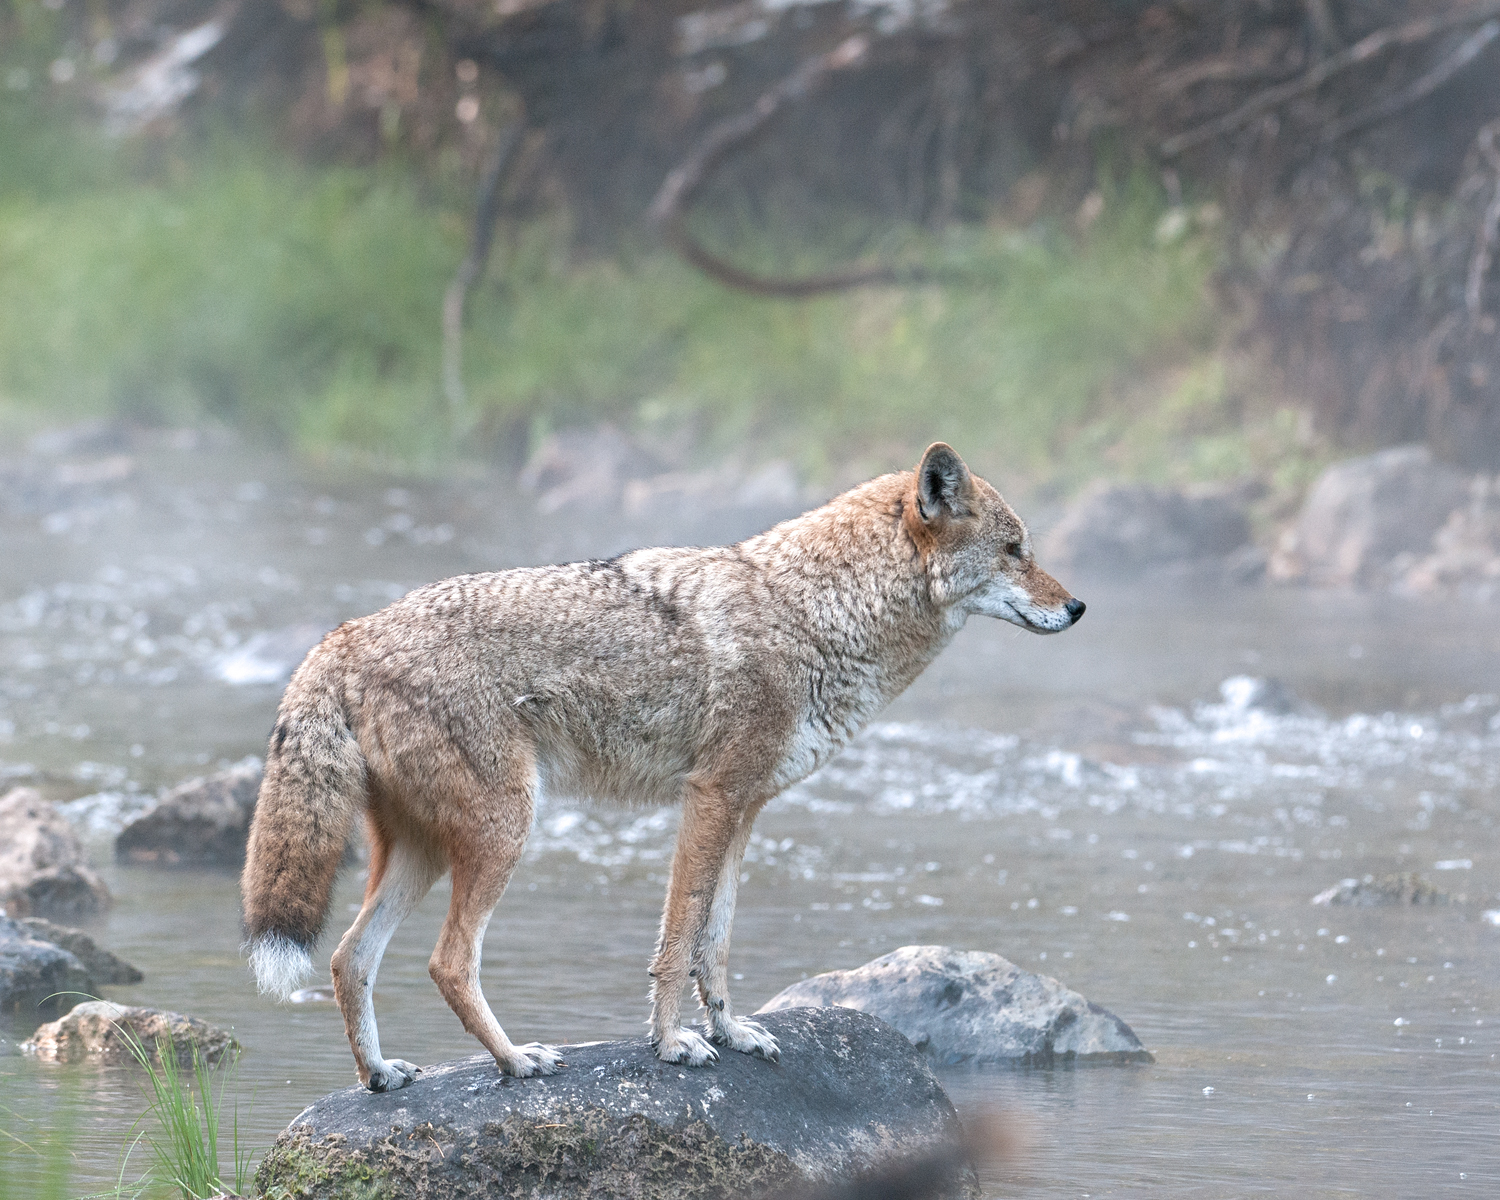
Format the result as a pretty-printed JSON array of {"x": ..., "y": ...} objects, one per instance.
[{"x": 303, "y": 303}]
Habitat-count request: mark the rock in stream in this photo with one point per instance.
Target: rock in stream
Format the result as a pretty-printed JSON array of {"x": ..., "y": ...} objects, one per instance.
[
  {"x": 43, "y": 868},
  {"x": 95, "y": 1029},
  {"x": 202, "y": 822},
  {"x": 33, "y": 971},
  {"x": 967, "y": 1006},
  {"x": 848, "y": 1094}
]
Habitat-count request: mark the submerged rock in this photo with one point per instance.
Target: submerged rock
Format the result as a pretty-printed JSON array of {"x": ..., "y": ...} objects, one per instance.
[
  {"x": 93, "y": 1030},
  {"x": 102, "y": 966},
  {"x": 43, "y": 868},
  {"x": 1127, "y": 528},
  {"x": 33, "y": 971},
  {"x": 967, "y": 1006},
  {"x": 1367, "y": 519},
  {"x": 1369, "y": 892},
  {"x": 848, "y": 1094},
  {"x": 202, "y": 822}
]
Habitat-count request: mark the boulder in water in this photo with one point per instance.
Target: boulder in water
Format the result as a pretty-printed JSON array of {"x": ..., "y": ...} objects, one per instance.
[
  {"x": 1366, "y": 520},
  {"x": 849, "y": 1094},
  {"x": 967, "y": 1006},
  {"x": 1123, "y": 529},
  {"x": 43, "y": 868},
  {"x": 33, "y": 971},
  {"x": 102, "y": 966},
  {"x": 94, "y": 1029},
  {"x": 202, "y": 822}
]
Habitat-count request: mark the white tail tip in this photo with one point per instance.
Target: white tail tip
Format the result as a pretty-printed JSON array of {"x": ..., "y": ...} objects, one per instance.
[{"x": 281, "y": 966}]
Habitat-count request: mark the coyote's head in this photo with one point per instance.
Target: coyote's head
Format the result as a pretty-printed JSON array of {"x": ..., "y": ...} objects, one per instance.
[{"x": 977, "y": 551}]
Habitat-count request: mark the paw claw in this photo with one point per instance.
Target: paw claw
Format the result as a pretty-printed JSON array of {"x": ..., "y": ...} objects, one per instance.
[
  {"x": 748, "y": 1037},
  {"x": 392, "y": 1075},
  {"x": 532, "y": 1059},
  {"x": 547, "y": 1059},
  {"x": 688, "y": 1048}
]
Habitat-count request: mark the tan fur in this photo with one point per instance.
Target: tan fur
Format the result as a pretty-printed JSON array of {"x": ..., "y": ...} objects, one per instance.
[{"x": 713, "y": 678}]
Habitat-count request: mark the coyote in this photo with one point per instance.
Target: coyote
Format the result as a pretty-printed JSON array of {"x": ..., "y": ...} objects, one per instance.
[{"x": 711, "y": 677}]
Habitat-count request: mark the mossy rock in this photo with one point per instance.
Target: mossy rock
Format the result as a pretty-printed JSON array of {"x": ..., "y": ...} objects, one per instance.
[{"x": 849, "y": 1094}]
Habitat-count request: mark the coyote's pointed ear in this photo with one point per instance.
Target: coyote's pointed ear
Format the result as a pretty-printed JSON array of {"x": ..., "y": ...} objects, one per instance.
[{"x": 943, "y": 483}]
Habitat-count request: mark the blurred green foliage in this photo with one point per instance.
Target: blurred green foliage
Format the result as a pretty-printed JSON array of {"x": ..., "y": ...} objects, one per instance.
[{"x": 216, "y": 278}]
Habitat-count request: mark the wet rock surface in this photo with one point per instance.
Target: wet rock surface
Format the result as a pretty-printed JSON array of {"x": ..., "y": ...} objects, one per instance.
[
  {"x": 1124, "y": 529},
  {"x": 1367, "y": 520},
  {"x": 33, "y": 969},
  {"x": 43, "y": 868},
  {"x": 849, "y": 1093},
  {"x": 201, "y": 822},
  {"x": 971, "y": 1007},
  {"x": 1403, "y": 888},
  {"x": 93, "y": 1030},
  {"x": 102, "y": 966}
]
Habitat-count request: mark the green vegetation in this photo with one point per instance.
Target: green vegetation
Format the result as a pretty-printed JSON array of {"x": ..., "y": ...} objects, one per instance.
[
  {"x": 187, "y": 1108},
  {"x": 222, "y": 281},
  {"x": 187, "y": 1152}
]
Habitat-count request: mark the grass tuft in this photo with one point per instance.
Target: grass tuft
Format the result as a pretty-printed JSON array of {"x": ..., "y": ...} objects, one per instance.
[{"x": 188, "y": 1112}]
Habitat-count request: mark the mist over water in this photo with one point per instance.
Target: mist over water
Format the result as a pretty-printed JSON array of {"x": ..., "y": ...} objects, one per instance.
[{"x": 1121, "y": 806}]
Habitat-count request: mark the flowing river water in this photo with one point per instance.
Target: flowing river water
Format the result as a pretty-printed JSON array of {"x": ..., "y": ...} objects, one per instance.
[{"x": 1101, "y": 806}]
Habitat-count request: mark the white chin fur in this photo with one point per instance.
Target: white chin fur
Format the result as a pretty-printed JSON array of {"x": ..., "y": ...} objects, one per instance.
[{"x": 281, "y": 966}]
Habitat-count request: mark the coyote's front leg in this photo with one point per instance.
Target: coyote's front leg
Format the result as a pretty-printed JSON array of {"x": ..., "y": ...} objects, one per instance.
[
  {"x": 711, "y": 960},
  {"x": 710, "y": 845}
]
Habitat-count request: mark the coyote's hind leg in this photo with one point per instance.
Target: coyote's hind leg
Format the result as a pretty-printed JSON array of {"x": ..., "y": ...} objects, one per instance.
[
  {"x": 481, "y": 869},
  {"x": 399, "y": 877}
]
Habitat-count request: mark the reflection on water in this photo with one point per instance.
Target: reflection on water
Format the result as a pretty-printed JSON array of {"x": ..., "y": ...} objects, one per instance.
[{"x": 1093, "y": 806}]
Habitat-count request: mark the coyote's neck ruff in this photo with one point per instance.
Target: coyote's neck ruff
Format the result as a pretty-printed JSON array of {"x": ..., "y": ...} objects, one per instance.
[{"x": 714, "y": 677}]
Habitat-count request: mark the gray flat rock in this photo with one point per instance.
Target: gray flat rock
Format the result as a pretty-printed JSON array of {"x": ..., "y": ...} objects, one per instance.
[
  {"x": 849, "y": 1093},
  {"x": 966, "y": 1006}
]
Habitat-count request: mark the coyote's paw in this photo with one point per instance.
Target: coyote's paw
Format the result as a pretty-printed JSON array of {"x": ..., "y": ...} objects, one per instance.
[
  {"x": 748, "y": 1037},
  {"x": 686, "y": 1047},
  {"x": 391, "y": 1075},
  {"x": 533, "y": 1059}
]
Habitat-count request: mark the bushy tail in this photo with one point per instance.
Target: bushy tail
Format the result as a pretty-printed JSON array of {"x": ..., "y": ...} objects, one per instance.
[{"x": 314, "y": 786}]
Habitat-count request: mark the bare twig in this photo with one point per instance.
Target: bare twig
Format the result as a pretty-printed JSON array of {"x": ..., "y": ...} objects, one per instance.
[
  {"x": 1226, "y": 69},
  {"x": 1489, "y": 227},
  {"x": 1362, "y": 51},
  {"x": 1468, "y": 50},
  {"x": 472, "y": 268},
  {"x": 669, "y": 210}
]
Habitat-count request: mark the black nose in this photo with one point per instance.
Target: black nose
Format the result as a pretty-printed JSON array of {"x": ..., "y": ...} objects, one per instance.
[{"x": 1075, "y": 608}]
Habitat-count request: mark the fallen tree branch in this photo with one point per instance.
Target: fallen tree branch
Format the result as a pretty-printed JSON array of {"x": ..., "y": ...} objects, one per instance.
[
  {"x": 1362, "y": 51},
  {"x": 669, "y": 210},
  {"x": 1489, "y": 227},
  {"x": 1469, "y": 49},
  {"x": 472, "y": 267}
]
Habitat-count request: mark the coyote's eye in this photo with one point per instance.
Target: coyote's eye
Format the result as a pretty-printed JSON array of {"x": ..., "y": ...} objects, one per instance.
[{"x": 1013, "y": 549}]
